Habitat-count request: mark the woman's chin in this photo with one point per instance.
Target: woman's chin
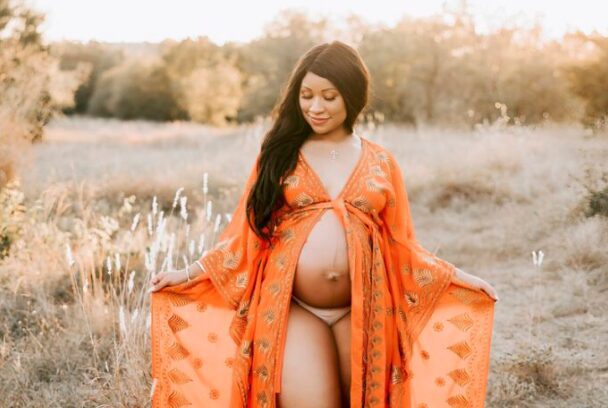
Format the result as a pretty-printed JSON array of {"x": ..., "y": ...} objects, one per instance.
[{"x": 320, "y": 129}]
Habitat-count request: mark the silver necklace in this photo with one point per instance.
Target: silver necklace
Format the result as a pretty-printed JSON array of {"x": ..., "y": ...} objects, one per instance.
[{"x": 334, "y": 153}]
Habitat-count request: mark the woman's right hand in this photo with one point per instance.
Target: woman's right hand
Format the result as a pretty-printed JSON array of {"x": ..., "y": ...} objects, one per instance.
[{"x": 169, "y": 278}]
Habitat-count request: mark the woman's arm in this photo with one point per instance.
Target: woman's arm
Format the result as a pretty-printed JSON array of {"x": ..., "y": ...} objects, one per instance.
[{"x": 476, "y": 282}]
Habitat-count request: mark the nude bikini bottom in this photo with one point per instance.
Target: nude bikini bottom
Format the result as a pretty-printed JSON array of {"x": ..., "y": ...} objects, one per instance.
[{"x": 328, "y": 315}]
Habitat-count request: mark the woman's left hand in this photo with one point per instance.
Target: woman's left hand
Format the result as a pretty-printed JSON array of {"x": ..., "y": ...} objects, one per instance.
[{"x": 476, "y": 282}]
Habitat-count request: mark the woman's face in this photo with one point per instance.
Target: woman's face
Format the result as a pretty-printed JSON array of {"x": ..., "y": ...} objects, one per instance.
[{"x": 320, "y": 99}]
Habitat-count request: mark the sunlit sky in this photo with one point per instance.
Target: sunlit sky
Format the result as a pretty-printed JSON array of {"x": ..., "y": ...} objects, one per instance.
[{"x": 242, "y": 21}]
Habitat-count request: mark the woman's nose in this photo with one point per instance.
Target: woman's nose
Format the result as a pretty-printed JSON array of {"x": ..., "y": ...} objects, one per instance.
[{"x": 316, "y": 106}]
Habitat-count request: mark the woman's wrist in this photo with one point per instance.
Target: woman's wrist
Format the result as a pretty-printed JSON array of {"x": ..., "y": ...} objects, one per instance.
[
  {"x": 459, "y": 274},
  {"x": 196, "y": 269}
]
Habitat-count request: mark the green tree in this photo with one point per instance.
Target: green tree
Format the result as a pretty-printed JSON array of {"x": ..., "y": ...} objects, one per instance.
[
  {"x": 25, "y": 101},
  {"x": 135, "y": 90},
  {"x": 212, "y": 95},
  {"x": 588, "y": 79},
  {"x": 99, "y": 57},
  {"x": 268, "y": 61}
]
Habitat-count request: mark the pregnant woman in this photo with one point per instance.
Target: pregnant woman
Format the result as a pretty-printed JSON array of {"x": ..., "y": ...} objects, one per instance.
[{"x": 318, "y": 293}]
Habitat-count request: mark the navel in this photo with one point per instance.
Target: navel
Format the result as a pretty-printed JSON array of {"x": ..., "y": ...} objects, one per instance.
[{"x": 333, "y": 275}]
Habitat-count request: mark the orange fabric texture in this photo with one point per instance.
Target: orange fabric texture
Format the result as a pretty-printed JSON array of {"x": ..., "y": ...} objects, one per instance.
[{"x": 419, "y": 337}]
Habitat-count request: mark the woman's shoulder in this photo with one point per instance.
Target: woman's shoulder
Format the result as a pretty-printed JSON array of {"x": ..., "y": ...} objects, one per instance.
[{"x": 380, "y": 152}]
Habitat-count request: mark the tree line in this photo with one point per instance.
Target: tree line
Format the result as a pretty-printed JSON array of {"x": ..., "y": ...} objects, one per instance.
[{"x": 437, "y": 70}]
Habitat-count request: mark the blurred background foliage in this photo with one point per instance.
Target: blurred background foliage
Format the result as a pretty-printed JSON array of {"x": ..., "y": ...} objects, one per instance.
[{"x": 436, "y": 70}]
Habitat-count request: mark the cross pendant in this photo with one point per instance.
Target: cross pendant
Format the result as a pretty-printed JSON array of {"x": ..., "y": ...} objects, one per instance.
[{"x": 333, "y": 154}]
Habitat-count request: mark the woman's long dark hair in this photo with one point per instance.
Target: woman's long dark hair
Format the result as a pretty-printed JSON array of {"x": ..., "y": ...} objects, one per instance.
[{"x": 343, "y": 67}]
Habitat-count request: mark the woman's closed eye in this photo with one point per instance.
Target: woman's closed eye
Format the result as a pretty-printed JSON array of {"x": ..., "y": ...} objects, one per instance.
[{"x": 327, "y": 99}]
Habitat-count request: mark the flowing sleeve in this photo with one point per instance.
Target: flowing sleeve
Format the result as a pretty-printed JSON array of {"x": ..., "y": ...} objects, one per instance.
[
  {"x": 422, "y": 276},
  {"x": 445, "y": 324},
  {"x": 229, "y": 263},
  {"x": 197, "y": 325}
]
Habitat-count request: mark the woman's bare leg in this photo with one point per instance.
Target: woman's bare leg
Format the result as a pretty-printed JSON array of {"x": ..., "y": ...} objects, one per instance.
[
  {"x": 341, "y": 331},
  {"x": 310, "y": 375}
]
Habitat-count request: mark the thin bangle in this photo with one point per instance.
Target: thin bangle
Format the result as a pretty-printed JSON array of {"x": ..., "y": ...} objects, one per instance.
[{"x": 200, "y": 265}]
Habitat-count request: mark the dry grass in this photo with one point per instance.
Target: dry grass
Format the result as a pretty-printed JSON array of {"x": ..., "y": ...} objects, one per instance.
[{"x": 77, "y": 334}]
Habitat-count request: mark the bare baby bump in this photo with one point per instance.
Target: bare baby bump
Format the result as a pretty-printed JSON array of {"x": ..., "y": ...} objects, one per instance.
[{"x": 322, "y": 274}]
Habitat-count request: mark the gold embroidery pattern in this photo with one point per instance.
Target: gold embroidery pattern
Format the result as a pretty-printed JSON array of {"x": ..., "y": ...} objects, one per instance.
[
  {"x": 177, "y": 352},
  {"x": 458, "y": 401},
  {"x": 423, "y": 277},
  {"x": 462, "y": 349},
  {"x": 396, "y": 375},
  {"x": 383, "y": 157},
  {"x": 291, "y": 181},
  {"x": 438, "y": 326},
  {"x": 376, "y": 170},
  {"x": 232, "y": 259},
  {"x": 246, "y": 348},
  {"x": 178, "y": 300},
  {"x": 281, "y": 261},
  {"x": 201, "y": 306},
  {"x": 243, "y": 308},
  {"x": 411, "y": 299},
  {"x": 269, "y": 317},
  {"x": 373, "y": 185},
  {"x": 467, "y": 296},
  {"x": 178, "y": 377},
  {"x": 197, "y": 363},
  {"x": 303, "y": 200},
  {"x": 274, "y": 288},
  {"x": 263, "y": 345},
  {"x": 176, "y": 400},
  {"x": 241, "y": 280},
  {"x": 287, "y": 235},
  {"x": 462, "y": 321},
  {"x": 176, "y": 323},
  {"x": 460, "y": 376},
  {"x": 262, "y": 399},
  {"x": 262, "y": 373},
  {"x": 362, "y": 203}
]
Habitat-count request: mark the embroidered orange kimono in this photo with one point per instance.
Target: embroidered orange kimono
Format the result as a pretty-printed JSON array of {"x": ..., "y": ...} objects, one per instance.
[{"x": 419, "y": 337}]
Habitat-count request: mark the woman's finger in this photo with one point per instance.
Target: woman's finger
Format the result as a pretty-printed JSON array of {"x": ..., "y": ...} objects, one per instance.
[
  {"x": 491, "y": 292},
  {"x": 158, "y": 285},
  {"x": 157, "y": 278}
]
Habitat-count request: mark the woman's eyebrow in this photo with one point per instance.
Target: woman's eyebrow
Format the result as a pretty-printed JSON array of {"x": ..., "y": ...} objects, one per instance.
[{"x": 326, "y": 89}]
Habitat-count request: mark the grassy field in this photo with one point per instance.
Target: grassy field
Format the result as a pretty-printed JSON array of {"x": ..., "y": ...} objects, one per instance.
[{"x": 96, "y": 211}]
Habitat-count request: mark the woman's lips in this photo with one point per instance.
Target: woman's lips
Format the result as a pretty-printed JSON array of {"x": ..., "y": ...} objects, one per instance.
[{"x": 318, "y": 121}]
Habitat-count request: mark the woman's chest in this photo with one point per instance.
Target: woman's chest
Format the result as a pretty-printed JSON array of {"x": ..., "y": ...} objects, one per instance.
[{"x": 365, "y": 185}]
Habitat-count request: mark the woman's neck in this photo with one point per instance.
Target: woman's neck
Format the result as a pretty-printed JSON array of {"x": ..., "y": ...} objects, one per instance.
[{"x": 335, "y": 136}]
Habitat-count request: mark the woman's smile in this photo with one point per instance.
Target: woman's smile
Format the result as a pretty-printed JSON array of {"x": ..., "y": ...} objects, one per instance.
[{"x": 318, "y": 121}]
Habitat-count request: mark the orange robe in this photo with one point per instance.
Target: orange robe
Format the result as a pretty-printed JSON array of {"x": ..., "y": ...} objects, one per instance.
[{"x": 419, "y": 337}]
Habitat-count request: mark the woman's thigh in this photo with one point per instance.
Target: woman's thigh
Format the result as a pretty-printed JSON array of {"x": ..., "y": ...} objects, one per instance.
[
  {"x": 341, "y": 332},
  {"x": 310, "y": 375}
]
